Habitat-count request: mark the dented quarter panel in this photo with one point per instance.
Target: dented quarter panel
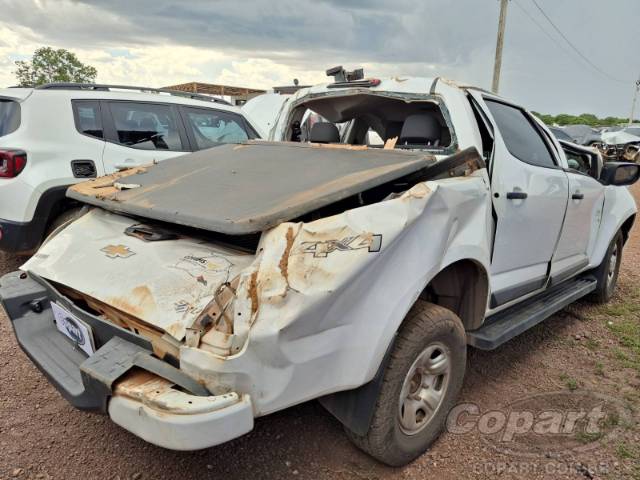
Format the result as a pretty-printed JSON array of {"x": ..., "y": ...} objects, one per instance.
[
  {"x": 165, "y": 284},
  {"x": 330, "y": 297}
]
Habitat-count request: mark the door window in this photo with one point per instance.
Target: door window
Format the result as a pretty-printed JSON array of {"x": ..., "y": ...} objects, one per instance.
[
  {"x": 146, "y": 126},
  {"x": 86, "y": 114},
  {"x": 213, "y": 127},
  {"x": 9, "y": 116},
  {"x": 520, "y": 136}
]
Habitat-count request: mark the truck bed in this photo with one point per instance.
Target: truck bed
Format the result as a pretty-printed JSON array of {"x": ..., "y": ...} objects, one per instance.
[{"x": 247, "y": 188}]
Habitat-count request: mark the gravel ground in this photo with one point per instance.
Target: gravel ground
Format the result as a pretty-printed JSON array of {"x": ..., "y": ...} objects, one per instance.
[{"x": 41, "y": 436}]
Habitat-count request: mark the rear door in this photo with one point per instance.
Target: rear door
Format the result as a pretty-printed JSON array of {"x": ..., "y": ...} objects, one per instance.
[
  {"x": 89, "y": 147},
  {"x": 530, "y": 191},
  {"x": 140, "y": 133}
]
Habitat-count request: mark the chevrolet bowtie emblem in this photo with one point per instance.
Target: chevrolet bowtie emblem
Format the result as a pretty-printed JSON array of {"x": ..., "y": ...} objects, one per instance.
[{"x": 117, "y": 251}]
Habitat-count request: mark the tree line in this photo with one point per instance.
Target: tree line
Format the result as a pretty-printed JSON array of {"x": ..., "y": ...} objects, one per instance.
[
  {"x": 49, "y": 65},
  {"x": 582, "y": 119}
]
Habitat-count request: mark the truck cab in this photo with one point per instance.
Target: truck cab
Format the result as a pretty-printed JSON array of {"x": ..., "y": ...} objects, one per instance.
[{"x": 546, "y": 212}]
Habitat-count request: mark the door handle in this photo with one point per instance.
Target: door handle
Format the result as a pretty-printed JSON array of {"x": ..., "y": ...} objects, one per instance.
[
  {"x": 516, "y": 195},
  {"x": 577, "y": 196}
]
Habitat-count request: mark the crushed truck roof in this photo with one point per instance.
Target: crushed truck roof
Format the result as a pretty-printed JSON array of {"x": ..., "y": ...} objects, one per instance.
[{"x": 249, "y": 187}]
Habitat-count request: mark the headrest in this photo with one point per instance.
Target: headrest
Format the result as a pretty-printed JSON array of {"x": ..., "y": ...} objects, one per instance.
[
  {"x": 419, "y": 129},
  {"x": 324, "y": 132}
]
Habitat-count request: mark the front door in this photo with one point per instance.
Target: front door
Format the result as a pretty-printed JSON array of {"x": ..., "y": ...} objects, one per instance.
[
  {"x": 530, "y": 191},
  {"x": 584, "y": 213}
]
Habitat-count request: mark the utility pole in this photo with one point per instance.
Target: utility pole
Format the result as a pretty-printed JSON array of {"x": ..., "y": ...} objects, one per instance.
[
  {"x": 498, "y": 62},
  {"x": 633, "y": 104}
]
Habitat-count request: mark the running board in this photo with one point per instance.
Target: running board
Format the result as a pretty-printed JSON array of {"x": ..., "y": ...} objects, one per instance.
[{"x": 505, "y": 325}]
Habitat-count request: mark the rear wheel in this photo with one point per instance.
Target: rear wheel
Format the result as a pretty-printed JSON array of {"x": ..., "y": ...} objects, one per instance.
[
  {"x": 607, "y": 273},
  {"x": 421, "y": 384}
]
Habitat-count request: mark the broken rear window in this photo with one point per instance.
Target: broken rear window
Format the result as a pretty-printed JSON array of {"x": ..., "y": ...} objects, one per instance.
[{"x": 370, "y": 118}]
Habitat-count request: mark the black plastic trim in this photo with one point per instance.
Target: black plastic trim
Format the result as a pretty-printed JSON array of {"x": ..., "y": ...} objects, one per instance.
[
  {"x": 509, "y": 323},
  {"x": 24, "y": 237},
  {"x": 507, "y": 294},
  {"x": 355, "y": 408},
  {"x": 83, "y": 161},
  {"x": 568, "y": 273},
  {"x": 86, "y": 382}
]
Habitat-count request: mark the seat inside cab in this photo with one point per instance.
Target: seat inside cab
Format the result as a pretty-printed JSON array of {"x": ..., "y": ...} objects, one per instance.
[{"x": 370, "y": 119}]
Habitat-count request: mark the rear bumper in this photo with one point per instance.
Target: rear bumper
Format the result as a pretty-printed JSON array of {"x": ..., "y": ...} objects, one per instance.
[
  {"x": 176, "y": 420},
  {"x": 20, "y": 236},
  {"x": 25, "y": 237},
  {"x": 184, "y": 418}
]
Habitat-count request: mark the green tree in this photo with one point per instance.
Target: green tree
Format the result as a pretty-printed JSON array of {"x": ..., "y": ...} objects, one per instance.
[
  {"x": 49, "y": 65},
  {"x": 588, "y": 119}
]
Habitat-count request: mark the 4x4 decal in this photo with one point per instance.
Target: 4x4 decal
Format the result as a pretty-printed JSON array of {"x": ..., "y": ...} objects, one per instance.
[{"x": 321, "y": 249}]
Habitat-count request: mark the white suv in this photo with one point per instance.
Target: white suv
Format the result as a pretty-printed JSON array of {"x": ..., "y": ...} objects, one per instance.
[{"x": 59, "y": 134}]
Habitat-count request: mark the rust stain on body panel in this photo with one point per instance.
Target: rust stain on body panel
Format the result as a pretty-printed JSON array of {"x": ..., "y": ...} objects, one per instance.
[{"x": 284, "y": 261}]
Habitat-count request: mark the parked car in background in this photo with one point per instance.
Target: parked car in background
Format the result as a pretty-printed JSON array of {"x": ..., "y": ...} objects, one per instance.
[
  {"x": 353, "y": 263},
  {"x": 56, "y": 135},
  {"x": 583, "y": 134},
  {"x": 560, "y": 134}
]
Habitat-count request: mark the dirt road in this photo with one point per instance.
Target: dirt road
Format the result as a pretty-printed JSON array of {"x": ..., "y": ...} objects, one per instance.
[{"x": 582, "y": 348}]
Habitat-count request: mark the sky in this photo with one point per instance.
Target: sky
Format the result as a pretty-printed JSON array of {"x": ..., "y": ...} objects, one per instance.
[{"x": 263, "y": 43}]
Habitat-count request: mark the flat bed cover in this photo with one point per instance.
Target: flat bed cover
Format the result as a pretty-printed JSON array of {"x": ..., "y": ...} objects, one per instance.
[{"x": 249, "y": 187}]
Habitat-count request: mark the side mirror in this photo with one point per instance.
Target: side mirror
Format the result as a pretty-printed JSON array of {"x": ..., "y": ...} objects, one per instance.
[{"x": 619, "y": 173}]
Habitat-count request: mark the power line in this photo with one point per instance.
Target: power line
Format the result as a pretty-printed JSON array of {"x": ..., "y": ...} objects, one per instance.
[
  {"x": 532, "y": 18},
  {"x": 575, "y": 49}
]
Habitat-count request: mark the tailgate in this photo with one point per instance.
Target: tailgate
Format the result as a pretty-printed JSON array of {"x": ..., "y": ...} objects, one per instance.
[{"x": 166, "y": 284}]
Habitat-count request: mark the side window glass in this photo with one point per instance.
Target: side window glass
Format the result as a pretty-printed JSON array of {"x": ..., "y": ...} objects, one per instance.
[
  {"x": 522, "y": 139},
  {"x": 86, "y": 114},
  {"x": 146, "y": 126},
  {"x": 213, "y": 127}
]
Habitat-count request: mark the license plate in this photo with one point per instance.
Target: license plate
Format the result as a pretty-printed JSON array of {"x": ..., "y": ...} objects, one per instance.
[{"x": 75, "y": 329}]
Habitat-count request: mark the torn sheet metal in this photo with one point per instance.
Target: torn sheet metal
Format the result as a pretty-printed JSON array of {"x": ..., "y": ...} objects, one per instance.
[
  {"x": 165, "y": 284},
  {"x": 300, "y": 262},
  {"x": 317, "y": 308},
  {"x": 248, "y": 188}
]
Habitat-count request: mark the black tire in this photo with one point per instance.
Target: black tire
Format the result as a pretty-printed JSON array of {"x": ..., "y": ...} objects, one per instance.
[
  {"x": 426, "y": 325},
  {"x": 606, "y": 276}
]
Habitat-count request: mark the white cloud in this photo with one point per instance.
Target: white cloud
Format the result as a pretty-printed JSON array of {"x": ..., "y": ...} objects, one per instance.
[
  {"x": 261, "y": 43},
  {"x": 265, "y": 73}
]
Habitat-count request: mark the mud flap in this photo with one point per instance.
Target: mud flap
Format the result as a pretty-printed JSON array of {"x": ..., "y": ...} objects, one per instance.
[{"x": 355, "y": 408}]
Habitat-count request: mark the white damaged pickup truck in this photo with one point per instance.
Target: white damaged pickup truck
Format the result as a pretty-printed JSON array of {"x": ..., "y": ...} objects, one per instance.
[{"x": 195, "y": 295}]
